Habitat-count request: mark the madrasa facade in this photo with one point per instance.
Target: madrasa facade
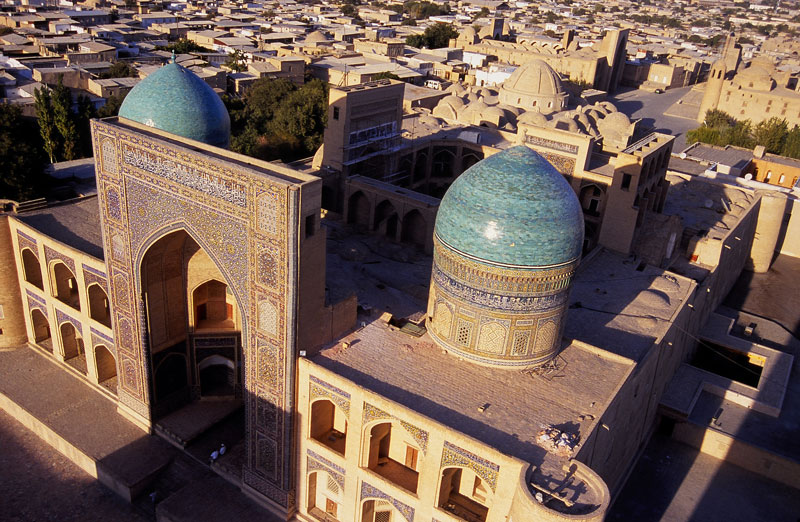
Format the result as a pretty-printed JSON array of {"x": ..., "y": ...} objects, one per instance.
[{"x": 504, "y": 369}]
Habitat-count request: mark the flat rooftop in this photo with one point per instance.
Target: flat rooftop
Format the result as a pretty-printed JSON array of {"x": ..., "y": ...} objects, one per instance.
[
  {"x": 76, "y": 223},
  {"x": 622, "y": 306},
  {"x": 707, "y": 206},
  {"x": 622, "y": 311}
]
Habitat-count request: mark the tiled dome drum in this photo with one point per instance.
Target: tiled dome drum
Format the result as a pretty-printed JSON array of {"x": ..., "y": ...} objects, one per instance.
[
  {"x": 176, "y": 100},
  {"x": 507, "y": 241}
]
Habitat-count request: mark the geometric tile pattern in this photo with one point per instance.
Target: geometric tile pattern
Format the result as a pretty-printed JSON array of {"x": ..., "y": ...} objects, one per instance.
[
  {"x": 373, "y": 413},
  {"x": 370, "y": 492},
  {"x": 321, "y": 389},
  {"x": 149, "y": 187},
  {"x": 318, "y": 462},
  {"x": 459, "y": 457}
]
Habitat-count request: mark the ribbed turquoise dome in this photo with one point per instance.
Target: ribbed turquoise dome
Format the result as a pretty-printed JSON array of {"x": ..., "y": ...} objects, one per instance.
[
  {"x": 176, "y": 100},
  {"x": 513, "y": 208}
]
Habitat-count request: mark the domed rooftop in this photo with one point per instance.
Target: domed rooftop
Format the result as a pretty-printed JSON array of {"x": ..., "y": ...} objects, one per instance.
[
  {"x": 512, "y": 208},
  {"x": 176, "y": 100},
  {"x": 534, "y": 78}
]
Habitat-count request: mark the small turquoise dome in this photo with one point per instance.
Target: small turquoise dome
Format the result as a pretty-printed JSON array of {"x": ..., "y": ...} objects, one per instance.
[
  {"x": 513, "y": 208},
  {"x": 176, "y": 100}
]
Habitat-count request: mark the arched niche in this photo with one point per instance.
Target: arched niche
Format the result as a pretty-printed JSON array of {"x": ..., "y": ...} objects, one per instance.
[
  {"x": 328, "y": 425},
  {"x": 391, "y": 452},
  {"x": 217, "y": 376},
  {"x": 464, "y": 494},
  {"x": 324, "y": 496},
  {"x": 105, "y": 363},
  {"x": 72, "y": 347},
  {"x": 32, "y": 268},
  {"x": 41, "y": 329},
  {"x": 65, "y": 286},
  {"x": 99, "y": 309}
]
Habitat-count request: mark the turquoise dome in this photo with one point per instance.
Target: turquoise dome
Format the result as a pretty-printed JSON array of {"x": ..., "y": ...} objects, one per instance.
[
  {"x": 176, "y": 100},
  {"x": 513, "y": 208}
]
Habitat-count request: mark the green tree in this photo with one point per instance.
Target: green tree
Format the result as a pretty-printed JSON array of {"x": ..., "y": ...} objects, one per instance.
[
  {"x": 237, "y": 61},
  {"x": 703, "y": 134},
  {"x": 120, "y": 70},
  {"x": 434, "y": 37},
  {"x": 716, "y": 118},
  {"x": 484, "y": 12},
  {"x": 276, "y": 120},
  {"x": 43, "y": 102},
  {"x": 183, "y": 46},
  {"x": 551, "y": 17},
  {"x": 65, "y": 121},
  {"x": 111, "y": 108},
  {"x": 791, "y": 145},
  {"x": 20, "y": 156},
  {"x": 771, "y": 134},
  {"x": 85, "y": 113},
  {"x": 386, "y": 75},
  {"x": 739, "y": 135}
]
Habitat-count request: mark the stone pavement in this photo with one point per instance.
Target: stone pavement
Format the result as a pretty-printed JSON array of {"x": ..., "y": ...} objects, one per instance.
[
  {"x": 79, "y": 422},
  {"x": 84, "y": 426},
  {"x": 41, "y": 484}
]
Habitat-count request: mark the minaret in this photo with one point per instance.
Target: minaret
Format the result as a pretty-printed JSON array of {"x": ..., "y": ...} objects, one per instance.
[{"x": 716, "y": 79}]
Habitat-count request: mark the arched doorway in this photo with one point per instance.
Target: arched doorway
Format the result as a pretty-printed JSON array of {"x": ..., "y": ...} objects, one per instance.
[
  {"x": 358, "y": 210},
  {"x": 106, "y": 367},
  {"x": 98, "y": 305},
  {"x": 324, "y": 496},
  {"x": 193, "y": 325},
  {"x": 213, "y": 306},
  {"x": 72, "y": 346},
  {"x": 386, "y": 219},
  {"x": 329, "y": 425},
  {"x": 415, "y": 228},
  {"x": 217, "y": 376},
  {"x": 41, "y": 330},
  {"x": 392, "y": 453},
  {"x": 32, "y": 268},
  {"x": 65, "y": 286},
  {"x": 464, "y": 494}
]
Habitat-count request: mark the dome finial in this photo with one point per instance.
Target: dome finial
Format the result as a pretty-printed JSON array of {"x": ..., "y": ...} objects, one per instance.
[{"x": 174, "y": 58}]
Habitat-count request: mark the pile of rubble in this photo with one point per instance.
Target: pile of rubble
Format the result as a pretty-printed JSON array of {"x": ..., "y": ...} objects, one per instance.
[{"x": 556, "y": 441}]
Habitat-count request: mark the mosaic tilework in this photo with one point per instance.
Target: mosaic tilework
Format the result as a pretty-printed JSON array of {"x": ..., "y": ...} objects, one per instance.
[
  {"x": 61, "y": 318},
  {"x": 221, "y": 236},
  {"x": 563, "y": 164},
  {"x": 163, "y": 188},
  {"x": 321, "y": 389},
  {"x": 316, "y": 461},
  {"x": 35, "y": 304},
  {"x": 269, "y": 208},
  {"x": 267, "y": 417},
  {"x": 90, "y": 276},
  {"x": 371, "y": 492},
  {"x": 266, "y": 456},
  {"x": 512, "y": 208},
  {"x": 26, "y": 241},
  {"x": 496, "y": 310},
  {"x": 452, "y": 455},
  {"x": 373, "y": 413},
  {"x": 113, "y": 204},
  {"x": 98, "y": 338},
  {"x": 52, "y": 255},
  {"x": 552, "y": 144},
  {"x": 108, "y": 156}
]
